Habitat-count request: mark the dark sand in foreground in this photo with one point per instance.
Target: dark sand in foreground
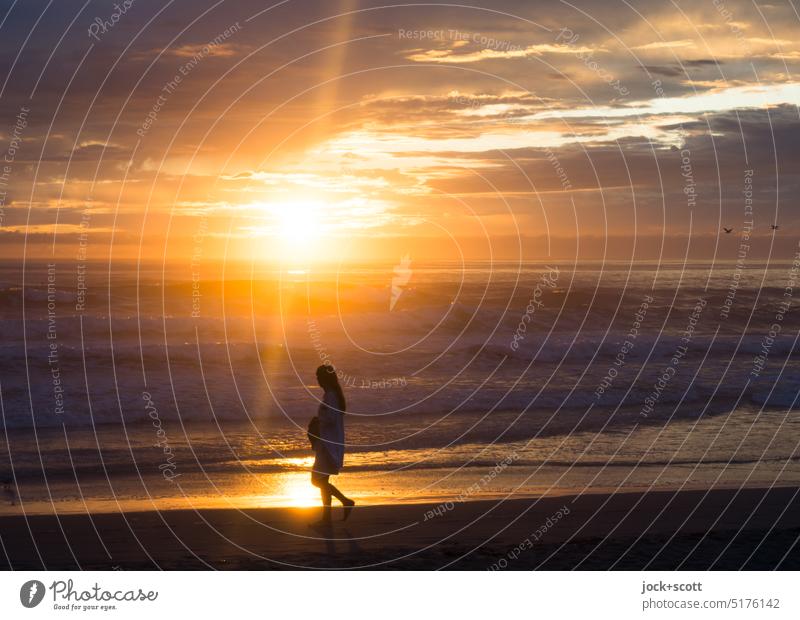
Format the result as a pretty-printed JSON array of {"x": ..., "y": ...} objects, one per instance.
[{"x": 720, "y": 529}]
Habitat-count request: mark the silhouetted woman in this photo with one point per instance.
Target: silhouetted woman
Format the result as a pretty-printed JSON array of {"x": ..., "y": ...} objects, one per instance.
[{"x": 326, "y": 433}]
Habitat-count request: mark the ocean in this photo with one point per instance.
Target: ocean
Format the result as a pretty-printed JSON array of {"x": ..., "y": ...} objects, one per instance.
[{"x": 138, "y": 387}]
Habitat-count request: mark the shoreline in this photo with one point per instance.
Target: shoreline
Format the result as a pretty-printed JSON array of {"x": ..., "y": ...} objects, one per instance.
[
  {"x": 721, "y": 529},
  {"x": 98, "y": 506}
]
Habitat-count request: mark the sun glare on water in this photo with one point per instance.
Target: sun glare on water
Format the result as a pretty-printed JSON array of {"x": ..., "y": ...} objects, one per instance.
[{"x": 297, "y": 491}]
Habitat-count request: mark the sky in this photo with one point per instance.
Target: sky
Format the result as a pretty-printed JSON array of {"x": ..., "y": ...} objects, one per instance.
[{"x": 303, "y": 131}]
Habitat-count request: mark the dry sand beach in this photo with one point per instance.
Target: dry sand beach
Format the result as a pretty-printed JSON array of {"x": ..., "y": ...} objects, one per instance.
[{"x": 720, "y": 529}]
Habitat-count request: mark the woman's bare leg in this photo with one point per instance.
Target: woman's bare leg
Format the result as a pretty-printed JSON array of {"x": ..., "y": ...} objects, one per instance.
[
  {"x": 346, "y": 501},
  {"x": 338, "y": 494},
  {"x": 321, "y": 481},
  {"x": 327, "y": 491}
]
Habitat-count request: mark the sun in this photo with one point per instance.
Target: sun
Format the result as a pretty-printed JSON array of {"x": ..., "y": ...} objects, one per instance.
[
  {"x": 299, "y": 221},
  {"x": 301, "y": 231},
  {"x": 295, "y": 227}
]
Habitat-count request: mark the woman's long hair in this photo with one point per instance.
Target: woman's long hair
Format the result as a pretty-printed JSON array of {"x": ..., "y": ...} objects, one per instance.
[{"x": 327, "y": 379}]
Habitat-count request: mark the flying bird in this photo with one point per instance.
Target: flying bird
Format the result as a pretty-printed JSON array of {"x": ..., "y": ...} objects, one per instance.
[
  {"x": 728, "y": 231},
  {"x": 775, "y": 227}
]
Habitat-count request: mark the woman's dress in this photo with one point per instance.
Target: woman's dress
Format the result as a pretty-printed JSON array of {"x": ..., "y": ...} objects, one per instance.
[{"x": 329, "y": 453}]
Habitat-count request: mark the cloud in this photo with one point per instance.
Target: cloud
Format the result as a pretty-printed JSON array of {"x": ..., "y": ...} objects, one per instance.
[
  {"x": 703, "y": 62},
  {"x": 222, "y": 50},
  {"x": 768, "y": 42},
  {"x": 659, "y": 45},
  {"x": 667, "y": 71},
  {"x": 509, "y": 52},
  {"x": 50, "y": 229}
]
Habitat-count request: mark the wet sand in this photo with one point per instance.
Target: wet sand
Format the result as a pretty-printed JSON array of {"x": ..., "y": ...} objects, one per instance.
[{"x": 719, "y": 529}]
